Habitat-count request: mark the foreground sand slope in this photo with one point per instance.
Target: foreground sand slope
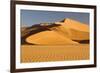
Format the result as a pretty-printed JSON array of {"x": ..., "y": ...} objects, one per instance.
[{"x": 68, "y": 31}]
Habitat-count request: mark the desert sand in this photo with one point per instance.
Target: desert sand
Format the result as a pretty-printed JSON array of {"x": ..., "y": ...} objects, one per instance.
[
  {"x": 65, "y": 34},
  {"x": 61, "y": 41},
  {"x": 54, "y": 53},
  {"x": 49, "y": 38}
]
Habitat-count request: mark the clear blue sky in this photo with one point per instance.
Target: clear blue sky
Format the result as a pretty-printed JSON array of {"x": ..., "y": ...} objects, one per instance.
[{"x": 31, "y": 17}]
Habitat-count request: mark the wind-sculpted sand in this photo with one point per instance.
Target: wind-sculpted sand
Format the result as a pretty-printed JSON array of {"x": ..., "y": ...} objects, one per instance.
[
  {"x": 68, "y": 31},
  {"x": 30, "y": 53},
  {"x": 58, "y": 41}
]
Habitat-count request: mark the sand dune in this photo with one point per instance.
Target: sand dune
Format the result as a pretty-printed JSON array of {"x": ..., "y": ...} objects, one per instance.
[
  {"x": 76, "y": 25},
  {"x": 74, "y": 29},
  {"x": 49, "y": 37},
  {"x": 57, "y": 41},
  {"x": 68, "y": 32}
]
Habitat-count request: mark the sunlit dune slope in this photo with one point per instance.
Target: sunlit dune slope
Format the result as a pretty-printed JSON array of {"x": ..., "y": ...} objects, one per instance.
[
  {"x": 49, "y": 37},
  {"x": 74, "y": 29},
  {"x": 68, "y": 32}
]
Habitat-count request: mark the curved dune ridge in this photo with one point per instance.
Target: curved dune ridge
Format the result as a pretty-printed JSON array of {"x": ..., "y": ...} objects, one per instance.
[
  {"x": 69, "y": 32},
  {"x": 49, "y": 37}
]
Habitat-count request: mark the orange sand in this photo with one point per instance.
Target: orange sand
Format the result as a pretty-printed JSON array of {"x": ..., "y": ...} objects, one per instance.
[
  {"x": 65, "y": 34},
  {"x": 54, "y": 53}
]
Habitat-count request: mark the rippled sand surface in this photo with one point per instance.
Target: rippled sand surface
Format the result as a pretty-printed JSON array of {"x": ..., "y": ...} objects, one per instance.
[{"x": 34, "y": 53}]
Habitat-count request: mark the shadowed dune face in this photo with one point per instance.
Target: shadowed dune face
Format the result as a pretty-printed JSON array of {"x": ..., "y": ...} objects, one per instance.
[{"x": 59, "y": 33}]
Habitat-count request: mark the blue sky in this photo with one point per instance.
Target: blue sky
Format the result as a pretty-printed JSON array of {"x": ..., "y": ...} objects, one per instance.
[{"x": 31, "y": 17}]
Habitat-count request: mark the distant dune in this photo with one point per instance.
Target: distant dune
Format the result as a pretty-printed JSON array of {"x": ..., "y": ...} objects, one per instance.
[
  {"x": 64, "y": 32},
  {"x": 76, "y": 30}
]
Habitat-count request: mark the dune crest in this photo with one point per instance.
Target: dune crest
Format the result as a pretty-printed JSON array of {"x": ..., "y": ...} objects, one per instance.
[{"x": 77, "y": 30}]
